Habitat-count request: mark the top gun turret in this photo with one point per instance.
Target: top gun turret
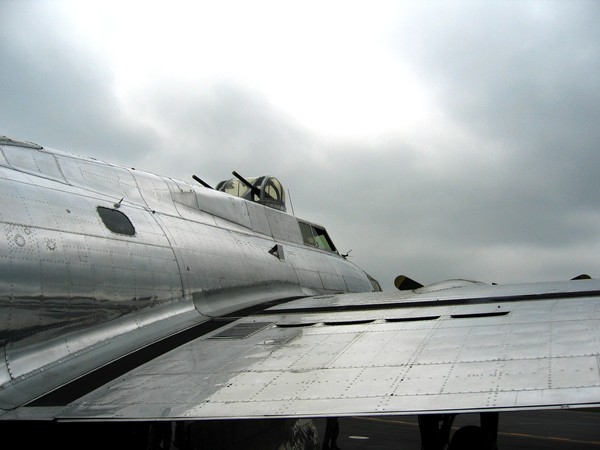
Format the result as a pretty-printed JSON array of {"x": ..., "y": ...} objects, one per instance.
[{"x": 265, "y": 190}]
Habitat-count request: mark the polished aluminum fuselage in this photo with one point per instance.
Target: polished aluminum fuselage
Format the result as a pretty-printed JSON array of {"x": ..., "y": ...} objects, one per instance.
[{"x": 75, "y": 295}]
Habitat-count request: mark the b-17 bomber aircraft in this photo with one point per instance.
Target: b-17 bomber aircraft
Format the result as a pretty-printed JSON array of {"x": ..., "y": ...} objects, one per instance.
[{"x": 139, "y": 311}]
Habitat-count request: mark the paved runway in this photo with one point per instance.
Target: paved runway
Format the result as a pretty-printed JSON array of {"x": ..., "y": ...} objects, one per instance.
[{"x": 536, "y": 430}]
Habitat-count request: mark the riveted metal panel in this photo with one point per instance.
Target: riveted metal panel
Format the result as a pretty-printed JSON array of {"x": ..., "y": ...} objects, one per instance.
[
  {"x": 64, "y": 271},
  {"x": 311, "y": 263},
  {"x": 258, "y": 218},
  {"x": 224, "y": 206},
  {"x": 310, "y": 278},
  {"x": 283, "y": 226},
  {"x": 444, "y": 364},
  {"x": 103, "y": 178},
  {"x": 185, "y": 199},
  {"x": 33, "y": 161},
  {"x": 155, "y": 191},
  {"x": 333, "y": 282},
  {"x": 222, "y": 267}
]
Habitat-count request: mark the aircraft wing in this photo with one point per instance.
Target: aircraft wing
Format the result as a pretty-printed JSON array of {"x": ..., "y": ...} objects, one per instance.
[{"x": 453, "y": 347}]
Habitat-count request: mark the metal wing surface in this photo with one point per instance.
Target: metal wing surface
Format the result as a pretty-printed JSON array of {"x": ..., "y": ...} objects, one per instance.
[{"x": 452, "y": 347}]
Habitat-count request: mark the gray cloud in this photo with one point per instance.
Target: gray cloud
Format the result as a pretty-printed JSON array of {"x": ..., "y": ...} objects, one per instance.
[
  {"x": 221, "y": 128},
  {"x": 56, "y": 90},
  {"x": 520, "y": 77},
  {"x": 511, "y": 197}
]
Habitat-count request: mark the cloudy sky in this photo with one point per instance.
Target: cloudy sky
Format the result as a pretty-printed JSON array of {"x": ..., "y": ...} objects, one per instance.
[{"x": 434, "y": 139}]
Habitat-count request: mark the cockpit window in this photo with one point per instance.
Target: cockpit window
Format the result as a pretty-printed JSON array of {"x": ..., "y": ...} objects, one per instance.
[
  {"x": 116, "y": 221},
  {"x": 307, "y": 235},
  {"x": 322, "y": 239},
  {"x": 316, "y": 236}
]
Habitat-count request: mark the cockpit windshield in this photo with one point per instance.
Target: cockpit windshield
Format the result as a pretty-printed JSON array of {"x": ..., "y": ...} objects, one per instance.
[{"x": 316, "y": 236}]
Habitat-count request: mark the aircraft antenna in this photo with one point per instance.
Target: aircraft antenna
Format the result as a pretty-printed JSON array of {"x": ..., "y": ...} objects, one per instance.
[{"x": 291, "y": 203}]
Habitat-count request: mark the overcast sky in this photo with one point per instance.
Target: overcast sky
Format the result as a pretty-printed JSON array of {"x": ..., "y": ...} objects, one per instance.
[{"x": 434, "y": 139}]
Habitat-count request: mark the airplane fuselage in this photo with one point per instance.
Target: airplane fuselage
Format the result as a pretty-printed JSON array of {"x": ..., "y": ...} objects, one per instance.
[{"x": 95, "y": 255}]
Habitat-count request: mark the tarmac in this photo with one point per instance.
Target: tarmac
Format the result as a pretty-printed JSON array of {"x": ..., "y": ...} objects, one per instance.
[{"x": 532, "y": 430}]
